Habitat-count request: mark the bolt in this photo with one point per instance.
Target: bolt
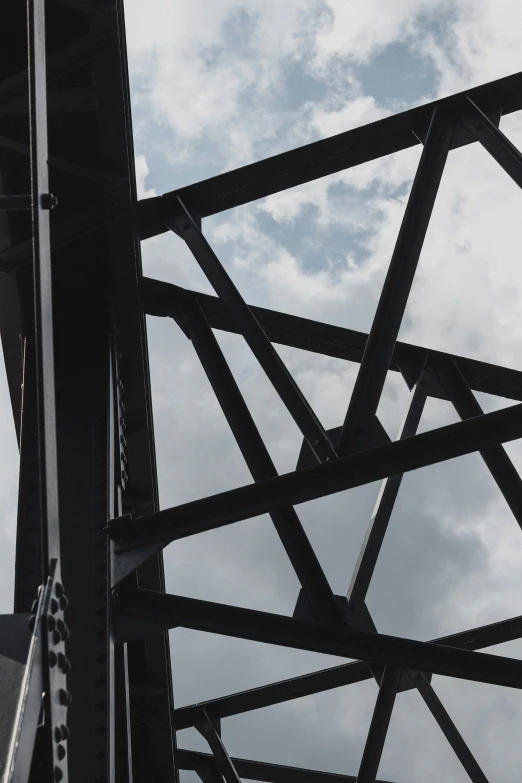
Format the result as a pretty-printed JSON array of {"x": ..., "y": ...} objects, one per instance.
[
  {"x": 57, "y": 734},
  {"x": 61, "y": 752},
  {"x": 62, "y": 628},
  {"x": 58, "y": 774},
  {"x": 48, "y": 201},
  {"x": 57, "y": 638},
  {"x": 51, "y": 622},
  {"x": 65, "y": 731},
  {"x": 52, "y": 658},
  {"x": 58, "y": 589},
  {"x": 64, "y": 697},
  {"x": 64, "y": 663},
  {"x": 64, "y": 602},
  {"x": 54, "y": 605}
]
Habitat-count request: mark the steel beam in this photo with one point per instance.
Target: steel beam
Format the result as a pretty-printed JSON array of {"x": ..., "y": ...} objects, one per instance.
[
  {"x": 317, "y": 637},
  {"x": 325, "y": 157},
  {"x": 499, "y": 464},
  {"x": 259, "y": 770},
  {"x": 164, "y": 299},
  {"x": 379, "y": 725},
  {"x": 450, "y": 731},
  {"x": 295, "y": 541},
  {"x": 382, "y": 511},
  {"x": 223, "y": 762},
  {"x": 335, "y": 677},
  {"x": 448, "y": 442},
  {"x": 383, "y": 335},
  {"x": 493, "y": 140},
  {"x": 274, "y": 367}
]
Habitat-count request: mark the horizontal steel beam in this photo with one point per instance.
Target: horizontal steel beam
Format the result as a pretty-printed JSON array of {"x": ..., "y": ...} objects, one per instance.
[
  {"x": 335, "y": 677},
  {"x": 259, "y": 770},
  {"x": 209, "y": 513},
  {"x": 327, "y": 156},
  {"x": 167, "y": 300},
  {"x": 211, "y": 617}
]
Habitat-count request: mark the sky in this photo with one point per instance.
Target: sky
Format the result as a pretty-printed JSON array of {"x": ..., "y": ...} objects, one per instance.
[{"x": 217, "y": 84}]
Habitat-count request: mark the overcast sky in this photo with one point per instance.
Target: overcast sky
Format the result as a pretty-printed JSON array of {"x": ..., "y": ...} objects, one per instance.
[{"x": 220, "y": 83}]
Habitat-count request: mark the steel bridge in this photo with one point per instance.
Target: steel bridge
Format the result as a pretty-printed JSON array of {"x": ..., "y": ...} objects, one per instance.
[{"x": 85, "y": 676}]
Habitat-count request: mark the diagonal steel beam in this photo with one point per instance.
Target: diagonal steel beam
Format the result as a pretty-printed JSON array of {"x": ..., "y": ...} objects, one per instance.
[
  {"x": 493, "y": 140},
  {"x": 174, "y": 610},
  {"x": 295, "y": 541},
  {"x": 282, "y": 381},
  {"x": 449, "y": 729},
  {"x": 260, "y": 770},
  {"x": 500, "y": 466},
  {"x": 324, "y": 157},
  {"x": 431, "y": 447},
  {"x": 384, "y": 505},
  {"x": 383, "y": 335},
  {"x": 164, "y": 299},
  {"x": 335, "y": 677},
  {"x": 379, "y": 726},
  {"x": 223, "y": 761}
]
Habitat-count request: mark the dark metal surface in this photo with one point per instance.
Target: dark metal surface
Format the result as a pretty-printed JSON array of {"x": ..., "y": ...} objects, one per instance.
[
  {"x": 383, "y": 335},
  {"x": 453, "y": 440},
  {"x": 317, "y": 637},
  {"x": 321, "y": 158},
  {"x": 336, "y": 677}
]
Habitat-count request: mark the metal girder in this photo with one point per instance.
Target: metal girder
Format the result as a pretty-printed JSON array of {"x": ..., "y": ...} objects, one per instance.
[
  {"x": 259, "y": 770},
  {"x": 318, "y": 637},
  {"x": 450, "y": 731},
  {"x": 223, "y": 761},
  {"x": 378, "y": 350},
  {"x": 335, "y": 677},
  {"x": 379, "y": 725},
  {"x": 495, "y": 457},
  {"x": 300, "y": 552},
  {"x": 328, "y": 156},
  {"x": 166, "y": 300},
  {"x": 382, "y": 511},
  {"x": 274, "y": 367},
  {"x": 448, "y": 442}
]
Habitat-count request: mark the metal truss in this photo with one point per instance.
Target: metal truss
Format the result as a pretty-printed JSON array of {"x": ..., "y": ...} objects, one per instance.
[{"x": 88, "y": 518}]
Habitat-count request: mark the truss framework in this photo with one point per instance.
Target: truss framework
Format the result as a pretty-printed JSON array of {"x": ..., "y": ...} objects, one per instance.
[{"x": 88, "y": 510}]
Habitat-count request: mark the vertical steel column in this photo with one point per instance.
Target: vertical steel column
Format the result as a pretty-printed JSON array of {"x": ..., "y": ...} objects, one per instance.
[
  {"x": 399, "y": 279},
  {"x": 82, "y": 359}
]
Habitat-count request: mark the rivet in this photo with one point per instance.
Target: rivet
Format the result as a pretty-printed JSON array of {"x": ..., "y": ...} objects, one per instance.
[
  {"x": 64, "y": 602},
  {"x": 51, "y": 622},
  {"x": 64, "y": 663},
  {"x": 52, "y": 658},
  {"x": 58, "y": 774},
  {"x": 65, "y": 697},
  {"x": 54, "y": 605},
  {"x": 58, "y": 589},
  {"x": 60, "y": 750},
  {"x": 57, "y": 734},
  {"x": 64, "y": 731}
]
